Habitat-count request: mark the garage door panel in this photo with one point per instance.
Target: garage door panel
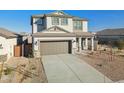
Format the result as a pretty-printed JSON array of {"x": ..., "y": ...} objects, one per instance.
[{"x": 50, "y": 48}]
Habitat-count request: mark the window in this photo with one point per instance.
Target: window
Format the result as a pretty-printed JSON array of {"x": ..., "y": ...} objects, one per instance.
[
  {"x": 64, "y": 21},
  {"x": 39, "y": 21},
  {"x": 77, "y": 25},
  {"x": 39, "y": 27},
  {"x": 55, "y": 21}
]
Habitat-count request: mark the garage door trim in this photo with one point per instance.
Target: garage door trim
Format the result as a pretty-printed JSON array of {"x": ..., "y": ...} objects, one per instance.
[{"x": 68, "y": 41}]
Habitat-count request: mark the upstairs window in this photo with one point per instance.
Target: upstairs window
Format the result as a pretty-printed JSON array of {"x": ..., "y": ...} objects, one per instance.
[
  {"x": 55, "y": 21},
  {"x": 64, "y": 21},
  {"x": 77, "y": 25},
  {"x": 39, "y": 21},
  {"x": 39, "y": 27}
]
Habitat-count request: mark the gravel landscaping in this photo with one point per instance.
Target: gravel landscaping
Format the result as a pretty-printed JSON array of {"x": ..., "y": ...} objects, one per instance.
[
  {"x": 23, "y": 70},
  {"x": 111, "y": 66}
]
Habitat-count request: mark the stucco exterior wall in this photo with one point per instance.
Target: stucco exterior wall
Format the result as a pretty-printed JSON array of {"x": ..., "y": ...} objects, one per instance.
[
  {"x": 85, "y": 26},
  {"x": 34, "y": 25},
  {"x": 68, "y": 27},
  {"x": 11, "y": 43},
  {"x": 8, "y": 46},
  {"x": 3, "y": 42}
]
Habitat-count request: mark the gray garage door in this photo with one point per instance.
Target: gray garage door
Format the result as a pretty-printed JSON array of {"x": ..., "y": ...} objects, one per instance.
[{"x": 55, "y": 47}]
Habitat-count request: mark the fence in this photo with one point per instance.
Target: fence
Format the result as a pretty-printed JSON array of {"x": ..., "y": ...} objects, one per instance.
[{"x": 18, "y": 50}]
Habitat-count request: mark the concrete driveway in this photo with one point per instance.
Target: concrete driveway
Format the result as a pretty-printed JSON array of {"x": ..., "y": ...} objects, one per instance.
[{"x": 67, "y": 68}]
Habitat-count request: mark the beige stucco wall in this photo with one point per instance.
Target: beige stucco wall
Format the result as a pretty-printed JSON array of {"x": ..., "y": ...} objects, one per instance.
[{"x": 8, "y": 46}]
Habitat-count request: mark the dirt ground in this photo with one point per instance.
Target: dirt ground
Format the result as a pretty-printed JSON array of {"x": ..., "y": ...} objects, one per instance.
[
  {"x": 23, "y": 70},
  {"x": 109, "y": 64}
]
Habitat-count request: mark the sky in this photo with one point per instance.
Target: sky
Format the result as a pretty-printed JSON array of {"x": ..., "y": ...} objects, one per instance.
[{"x": 19, "y": 20}]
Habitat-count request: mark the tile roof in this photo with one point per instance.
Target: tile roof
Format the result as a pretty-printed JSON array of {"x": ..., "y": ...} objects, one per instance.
[
  {"x": 64, "y": 15},
  {"x": 39, "y": 15},
  {"x": 74, "y": 34},
  {"x": 53, "y": 14},
  {"x": 84, "y": 34},
  {"x": 40, "y": 34},
  {"x": 79, "y": 19},
  {"x": 7, "y": 34}
]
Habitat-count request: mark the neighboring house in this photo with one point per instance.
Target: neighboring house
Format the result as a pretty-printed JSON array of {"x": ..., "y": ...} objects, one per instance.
[
  {"x": 108, "y": 35},
  {"x": 26, "y": 44},
  {"x": 8, "y": 40},
  {"x": 26, "y": 38},
  {"x": 59, "y": 33}
]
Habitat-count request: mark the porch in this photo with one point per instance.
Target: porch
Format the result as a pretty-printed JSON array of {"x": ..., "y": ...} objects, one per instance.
[{"x": 84, "y": 44}]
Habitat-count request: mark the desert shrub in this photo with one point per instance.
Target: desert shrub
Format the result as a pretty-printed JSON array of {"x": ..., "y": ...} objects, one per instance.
[
  {"x": 30, "y": 54},
  {"x": 120, "y": 44},
  {"x": 8, "y": 71}
]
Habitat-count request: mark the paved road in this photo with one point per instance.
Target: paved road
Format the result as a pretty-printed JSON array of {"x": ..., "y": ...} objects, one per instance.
[{"x": 67, "y": 68}]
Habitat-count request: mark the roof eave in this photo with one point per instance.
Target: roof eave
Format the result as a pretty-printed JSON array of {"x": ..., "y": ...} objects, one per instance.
[
  {"x": 80, "y": 19},
  {"x": 36, "y": 16},
  {"x": 58, "y": 16}
]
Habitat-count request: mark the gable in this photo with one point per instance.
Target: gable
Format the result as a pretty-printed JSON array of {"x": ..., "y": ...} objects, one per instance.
[
  {"x": 55, "y": 29},
  {"x": 59, "y": 13}
]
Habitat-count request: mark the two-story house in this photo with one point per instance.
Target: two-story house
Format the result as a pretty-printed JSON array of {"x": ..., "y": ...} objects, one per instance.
[{"x": 60, "y": 33}]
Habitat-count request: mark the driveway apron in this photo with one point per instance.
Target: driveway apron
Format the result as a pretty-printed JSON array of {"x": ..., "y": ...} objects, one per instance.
[
  {"x": 84, "y": 71},
  {"x": 57, "y": 71},
  {"x": 67, "y": 68}
]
